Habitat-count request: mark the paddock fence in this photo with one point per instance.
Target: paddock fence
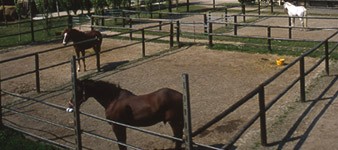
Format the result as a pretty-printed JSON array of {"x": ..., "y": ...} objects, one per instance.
[{"x": 222, "y": 27}]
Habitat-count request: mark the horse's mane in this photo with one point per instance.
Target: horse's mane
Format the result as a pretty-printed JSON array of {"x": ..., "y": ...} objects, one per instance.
[{"x": 102, "y": 86}]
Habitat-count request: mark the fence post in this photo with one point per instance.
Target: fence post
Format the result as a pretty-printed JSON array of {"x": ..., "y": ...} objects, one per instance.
[
  {"x": 259, "y": 7},
  {"x": 77, "y": 125},
  {"x": 327, "y": 58},
  {"x": 92, "y": 23},
  {"x": 302, "y": 79},
  {"x": 98, "y": 61},
  {"x": 160, "y": 25},
  {"x": 143, "y": 44},
  {"x": 188, "y": 3},
  {"x": 205, "y": 20},
  {"x": 210, "y": 34},
  {"x": 130, "y": 27},
  {"x": 124, "y": 19},
  {"x": 178, "y": 28},
  {"x": 1, "y": 123},
  {"x": 290, "y": 29},
  {"x": 269, "y": 38},
  {"x": 187, "y": 138},
  {"x": 32, "y": 21},
  {"x": 70, "y": 22},
  {"x": 171, "y": 35},
  {"x": 235, "y": 24},
  {"x": 243, "y": 11},
  {"x": 262, "y": 115},
  {"x": 226, "y": 16},
  {"x": 37, "y": 72},
  {"x": 271, "y": 2}
]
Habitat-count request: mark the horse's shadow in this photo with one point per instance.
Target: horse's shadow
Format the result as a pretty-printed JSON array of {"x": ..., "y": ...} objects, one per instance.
[{"x": 113, "y": 65}]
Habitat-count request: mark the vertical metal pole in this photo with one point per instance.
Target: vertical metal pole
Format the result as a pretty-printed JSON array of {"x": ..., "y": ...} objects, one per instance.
[
  {"x": 32, "y": 21},
  {"x": 1, "y": 123},
  {"x": 205, "y": 20},
  {"x": 269, "y": 38},
  {"x": 243, "y": 12},
  {"x": 271, "y": 2},
  {"x": 178, "y": 28},
  {"x": 302, "y": 79},
  {"x": 77, "y": 125},
  {"x": 226, "y": 16},
  {"x": 262, "y": 116},
  {"x": 171, "y": 35},
  {"x": 210, "y": 34},
  {"x": 259, "y": 7},
  {"x": 92, "y": 23},
  {"x": 188, "y": 3},
  {"x": 186, "y": 112},
  {"x": 213, "y": 4},
  {"x": 160, "y": 25},
  {"x": 290, "y": 29},
  {"x": 37, "y": 72},
  {"x": 98, "y": 66},
  {"x": 130, "y": 26},
  {"x": 143, "y": 44},
  {"x": 70, "y": 22},
  {"x": 327, "y": 58},
  {"x": 235, "y": 25}
]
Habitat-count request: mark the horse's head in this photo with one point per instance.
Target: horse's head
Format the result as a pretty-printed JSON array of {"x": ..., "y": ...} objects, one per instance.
[
  {"x": 81, "y": 94},
  {"x": 66, "y": 36}
]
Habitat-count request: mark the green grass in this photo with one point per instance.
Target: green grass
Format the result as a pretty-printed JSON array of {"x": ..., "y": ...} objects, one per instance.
[
  {"x": 47, "y": 32},
  {"x": 11, "y": 140}
]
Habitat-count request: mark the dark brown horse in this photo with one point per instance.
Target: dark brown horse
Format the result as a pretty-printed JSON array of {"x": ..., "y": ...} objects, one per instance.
[
  {"x": 125, "y": 107},
  {"x": 78, "y": 36}
]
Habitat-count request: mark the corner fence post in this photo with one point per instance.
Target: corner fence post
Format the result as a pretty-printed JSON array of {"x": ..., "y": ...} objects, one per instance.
[
  {"x": 187, "y": 138},
  {"x": 77, "y": 125},
  {"x": 327, "y": 58},
  {"x": 302, "y": 79},
  {"x": 37, "y": 72},
  {"x": 262, "y": 116}
]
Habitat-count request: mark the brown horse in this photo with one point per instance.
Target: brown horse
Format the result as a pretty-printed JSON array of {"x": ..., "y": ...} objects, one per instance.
[
  {"x": 125, "y": 107},
  {"x": 78, "y": 36}
]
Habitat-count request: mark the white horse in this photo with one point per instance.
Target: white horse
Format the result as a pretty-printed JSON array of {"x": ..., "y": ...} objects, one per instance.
[{"x": 296, "y": 11}]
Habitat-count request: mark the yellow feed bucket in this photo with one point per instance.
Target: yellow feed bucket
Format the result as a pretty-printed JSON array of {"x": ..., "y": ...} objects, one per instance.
[{"x": 280, "y": 62}]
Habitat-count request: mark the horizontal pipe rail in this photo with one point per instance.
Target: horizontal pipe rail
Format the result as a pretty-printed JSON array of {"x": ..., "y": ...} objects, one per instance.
[
  {"x": 132, "y": 127},
  {"x": 35, "y": 100},
  {"x": 39, "y": 137},
  {"x": 37, "y": 118}
]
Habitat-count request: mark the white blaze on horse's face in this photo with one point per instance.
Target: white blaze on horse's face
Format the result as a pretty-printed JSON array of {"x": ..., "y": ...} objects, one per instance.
[{"x": 64, "y": 39}]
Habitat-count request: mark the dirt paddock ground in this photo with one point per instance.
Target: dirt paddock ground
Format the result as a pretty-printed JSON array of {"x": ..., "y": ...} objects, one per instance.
[{"x": 218, "y": 79}]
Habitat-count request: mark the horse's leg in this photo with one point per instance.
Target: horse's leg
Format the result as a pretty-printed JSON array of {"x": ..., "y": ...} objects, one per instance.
[
  {"x": 301, "y": 21},
  {"x": 121, "y": 135},
  {"x": 177, "y": 127},
  {"x": 293, "y": 21},
  {"x": 78, "y": 60},
  {"x": 83, "y": 59}
]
